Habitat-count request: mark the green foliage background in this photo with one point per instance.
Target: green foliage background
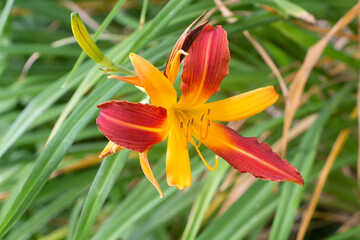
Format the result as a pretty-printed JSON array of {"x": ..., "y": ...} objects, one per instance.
[{"x": 113, "y": 199}]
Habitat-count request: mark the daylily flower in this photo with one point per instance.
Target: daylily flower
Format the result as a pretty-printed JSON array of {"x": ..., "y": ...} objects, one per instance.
[{"x": 191, "y": 119}]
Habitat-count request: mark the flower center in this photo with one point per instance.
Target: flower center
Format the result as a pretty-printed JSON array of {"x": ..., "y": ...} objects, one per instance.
[{"x": 194, "y": 126}]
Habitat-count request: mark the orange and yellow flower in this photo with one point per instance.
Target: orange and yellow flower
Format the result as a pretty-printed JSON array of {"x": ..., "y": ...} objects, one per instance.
[{"x": 190, "y": 119}]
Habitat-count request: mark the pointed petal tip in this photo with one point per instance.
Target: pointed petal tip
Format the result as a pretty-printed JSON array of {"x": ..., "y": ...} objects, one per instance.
[
  {"x": 299, "y": 181},
  {"x": 249, "y": 155},
  {"x": 180, "y": 188},
  {"x": 145, "y": 166}
]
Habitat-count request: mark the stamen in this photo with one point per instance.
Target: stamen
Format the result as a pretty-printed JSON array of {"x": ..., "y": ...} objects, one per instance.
[
  {"x": 203, "y": 159},
  {"x": 181, "y": 125},
  {"x": 199, "y": 144},
  {"x": 188, "y": 136},
  {"x": 206, "y": 131}
]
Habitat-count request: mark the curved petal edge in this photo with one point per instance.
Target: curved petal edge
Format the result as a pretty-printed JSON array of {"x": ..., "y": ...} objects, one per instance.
[
  {"x": 248, "y": 155},
  {"x": 134, "y": 126},
  {"x": 205, "y": 67}
]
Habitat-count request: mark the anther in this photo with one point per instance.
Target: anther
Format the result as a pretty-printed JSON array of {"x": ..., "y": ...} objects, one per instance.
[
  {"x": 192, "y": 121},
  {"x": 181, "y": 125},
  {"x": 208, "y": 113},
  {"x": 202, "y": 117}
]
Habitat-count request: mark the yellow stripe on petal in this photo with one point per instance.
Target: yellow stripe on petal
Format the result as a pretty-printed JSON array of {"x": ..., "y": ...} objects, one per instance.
[
  {"x": 205, "y": 67},
  {"x": 178, "y": 171},
  {"x": 157, "y": 86},
  {"x": 241, "y": 106},
  {"x": 145, "y": 166},
  {"x": 175, "y": 65},
  {"x": 248, "y": 155}
]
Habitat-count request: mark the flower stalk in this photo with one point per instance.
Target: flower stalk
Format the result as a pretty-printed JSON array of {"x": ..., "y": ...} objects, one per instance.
[{"x": 88, "y": 45}]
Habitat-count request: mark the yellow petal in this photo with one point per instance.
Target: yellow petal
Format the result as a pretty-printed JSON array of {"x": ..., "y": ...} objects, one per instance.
[
  {"x": 134, "y": 80},
  {"x": 144, "y": 162},
  {"x": 157, "y": 86},
  {"x": 241, "y": 106},
  {"x": 178, "y": 171},
  {"x": 185, "y": 41},
  {"x": 175, "y": 65}
]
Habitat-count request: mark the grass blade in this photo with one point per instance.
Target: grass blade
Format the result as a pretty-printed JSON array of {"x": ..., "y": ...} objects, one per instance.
[
  {"x": 303, "y": 160},
  {"x": 203, "y": 200},
  {"x": 103, "y": 182}
]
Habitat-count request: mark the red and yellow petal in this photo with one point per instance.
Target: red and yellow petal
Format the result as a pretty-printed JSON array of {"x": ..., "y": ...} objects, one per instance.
[
  {"x": 240, "y": 106},
  {"x": 178, "y": 171},
  {"x": 184, "y": 42},
  {"x": 205, "y": 67},
  {"x": 157, "y": 86},
  {"x": 134, "y": 126},
  {"x": 248, "y": 155}
]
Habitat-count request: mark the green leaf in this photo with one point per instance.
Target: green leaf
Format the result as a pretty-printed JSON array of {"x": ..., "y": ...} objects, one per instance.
[
  {"x": 33, "y": 224},
  {"x": 203, "y": 200},
  {"x": 256, "y": 197},
  {"x": 5, "y": 14},
  {"x": 50, "y": 157},
  {"x": 304, "y": 159},
  {"x": 103, "y": 182},
  {"x": 352, "y": 233}
]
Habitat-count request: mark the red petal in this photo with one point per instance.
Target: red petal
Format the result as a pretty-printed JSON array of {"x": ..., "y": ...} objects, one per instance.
[
  {"x": 248, "y": 155},
  {"x": 205, "y": 67},
  {"x": 134, "y": 126},
  {"x": 184, "y": 42}
]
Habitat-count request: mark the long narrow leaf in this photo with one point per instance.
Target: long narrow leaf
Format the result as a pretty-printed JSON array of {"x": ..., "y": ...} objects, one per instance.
[
  {"x": 304, "y": 159},
  {"x": 103, "y": 182}
]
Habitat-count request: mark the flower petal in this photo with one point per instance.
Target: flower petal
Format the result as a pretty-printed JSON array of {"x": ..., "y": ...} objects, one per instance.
[
  {"x": 248, "y": 155},
  {"x": 110, "y": 149},
  {"x": 134, "y": 80},
  {"x": 145, "y": 166},
  {"x": 240, "y": 106},
  {"x": 134, "y": 126},
  {"x": 157, "y": 86},
  {"x": 178, "y": 171},
  {"x": 184, "y": 42},
  {"x": 175, "y": 66},
  {"x": 205, "y": 67}
]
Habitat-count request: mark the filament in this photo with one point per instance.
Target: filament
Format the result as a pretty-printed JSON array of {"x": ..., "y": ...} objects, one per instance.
[
  {"x": 181, "y": 136},
  {"x": 207, "y": 125},
  {"x": 203, "y": 159},
  {"x": 188, "y": 136}
]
